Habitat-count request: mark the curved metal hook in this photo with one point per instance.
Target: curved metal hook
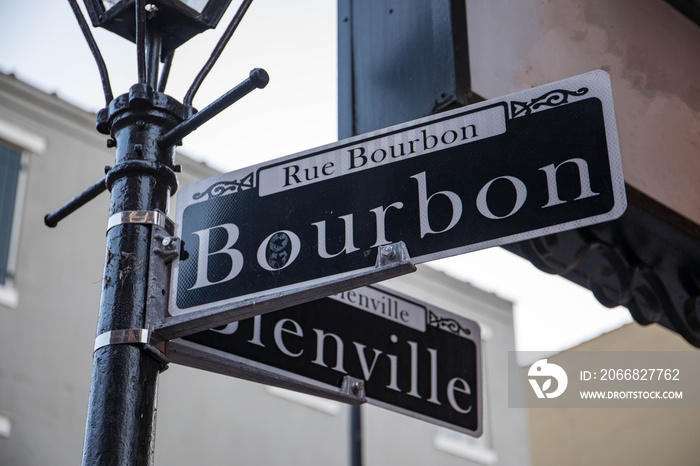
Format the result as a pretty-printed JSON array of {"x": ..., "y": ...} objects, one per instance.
[
  {"x": 228, "y": 33},
  {"x": 102, "y": 68}
]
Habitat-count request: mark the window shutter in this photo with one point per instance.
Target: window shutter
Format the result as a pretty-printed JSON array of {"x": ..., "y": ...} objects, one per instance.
[{"x": 9, "y": 175}]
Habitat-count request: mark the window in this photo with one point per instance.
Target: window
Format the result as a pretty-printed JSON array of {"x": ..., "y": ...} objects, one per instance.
[
  {"x": 10, "y": 164},
  {"x": 16, "y": 145}
]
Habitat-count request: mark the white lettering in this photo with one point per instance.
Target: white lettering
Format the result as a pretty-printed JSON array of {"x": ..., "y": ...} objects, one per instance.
[
  {"x": 279, "y": 328},
  {"x": 380, "y": 214},
  {"x": 366, "y": 371},
  {"x": 349, "y": 244},
  {"x": 520, "y": 196},
  {"x": 228, "y": 329},
  {"x": 256, "y": 331},
  {"x": 584, "y": 180},
  {"x": 424, "y": 202},
  {"x": 433, "y": 376},
  {"x": 204, "y": 254},
  {"x": 414, "y": 369},
  {"x": 320, "y": 338},
  {"x": 452, "y": 388}
]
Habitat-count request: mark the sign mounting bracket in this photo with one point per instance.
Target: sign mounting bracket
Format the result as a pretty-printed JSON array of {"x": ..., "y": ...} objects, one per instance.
[
  {"x": 392, "y": 260},
  {"x": 354, "y": 388}
]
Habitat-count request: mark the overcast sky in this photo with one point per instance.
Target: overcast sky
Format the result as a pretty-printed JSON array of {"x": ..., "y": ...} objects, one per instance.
[{"x": 295, "y": 41}]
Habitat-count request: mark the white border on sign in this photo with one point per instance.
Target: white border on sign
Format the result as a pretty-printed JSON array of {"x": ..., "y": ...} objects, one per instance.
[{"x": 597, "y": 85}]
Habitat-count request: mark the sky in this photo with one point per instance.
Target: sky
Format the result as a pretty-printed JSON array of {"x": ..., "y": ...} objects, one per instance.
[{"x": 296, "y": 43}]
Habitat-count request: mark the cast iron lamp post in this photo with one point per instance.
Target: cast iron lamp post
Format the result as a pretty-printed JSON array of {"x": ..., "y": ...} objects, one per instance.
[
  {"x": 143, "y": 125},
  {"x": 175, "y": 20}
]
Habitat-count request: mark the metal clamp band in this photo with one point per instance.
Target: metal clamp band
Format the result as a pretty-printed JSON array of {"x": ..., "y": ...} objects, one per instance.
[
  {"x": 139, "y": 336},
  {"x": 122, "y": 337},
  {"x": 147, "y": 217}
]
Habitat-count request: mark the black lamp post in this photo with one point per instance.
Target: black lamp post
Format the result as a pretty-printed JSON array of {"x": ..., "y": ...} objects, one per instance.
[
  {"x": 176, "y": 21},
  {"x": 143, "y": 125}
]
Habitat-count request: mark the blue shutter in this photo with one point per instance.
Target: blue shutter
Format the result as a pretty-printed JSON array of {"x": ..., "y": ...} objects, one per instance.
[{"x": 9, "y": 174}]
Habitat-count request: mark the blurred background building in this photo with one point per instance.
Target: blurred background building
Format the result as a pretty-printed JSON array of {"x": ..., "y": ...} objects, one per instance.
[
  {"x": 48, "y": 309},
  {"x": 397, "y": 61},
  {"x": 609, "y": 436}
]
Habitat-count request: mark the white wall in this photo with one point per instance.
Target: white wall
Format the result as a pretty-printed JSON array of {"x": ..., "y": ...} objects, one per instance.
[{"x": 652, "y": 53}]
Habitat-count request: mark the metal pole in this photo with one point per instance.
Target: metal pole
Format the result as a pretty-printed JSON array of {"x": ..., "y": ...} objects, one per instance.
[
  {"x": 121, "y": 410},
  {"x": 120, "y": 427},
  {"x": 121, "y": 418},
  {"x": 355, "y": 435}
]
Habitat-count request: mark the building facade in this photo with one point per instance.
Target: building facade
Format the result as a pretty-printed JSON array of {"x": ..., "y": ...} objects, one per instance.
[
  {"x": 615, "y": 435},
  {"x": 400, "y": 62},
  {"x": 49, "y": 296}
]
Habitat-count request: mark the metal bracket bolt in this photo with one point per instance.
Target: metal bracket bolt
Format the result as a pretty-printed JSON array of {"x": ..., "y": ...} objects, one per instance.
[
  {"x": 388, "y": 252},
  {"x": 391, "y": 254},
  {"x": 358, "y": 387},
  {"x": 169, "y": 242},
  {"x": 166, "y": 247},
  {"x": 354, "y": 389}
]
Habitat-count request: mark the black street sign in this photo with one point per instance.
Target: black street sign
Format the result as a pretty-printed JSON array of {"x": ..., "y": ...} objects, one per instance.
[
  {"x": 525, "y": 165},
  {"x": 396, "y": 352}
]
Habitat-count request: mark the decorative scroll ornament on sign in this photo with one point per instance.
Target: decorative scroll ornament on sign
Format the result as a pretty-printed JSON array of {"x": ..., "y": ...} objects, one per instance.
[
  {"x": 550, "y": 99},
  {"x": 450, "y": 325},
  {"x": 226, "y": 187}
]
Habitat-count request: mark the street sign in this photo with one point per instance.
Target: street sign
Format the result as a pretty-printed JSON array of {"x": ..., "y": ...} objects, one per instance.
[
  {"x": 525, "y": 165},
  {"x": 369, "y": 344}
]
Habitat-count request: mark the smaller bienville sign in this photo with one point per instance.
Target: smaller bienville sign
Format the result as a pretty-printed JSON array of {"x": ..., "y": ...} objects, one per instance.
[
  {"x": 409, "y": 357},
  {"x": 529, "y": 164}
]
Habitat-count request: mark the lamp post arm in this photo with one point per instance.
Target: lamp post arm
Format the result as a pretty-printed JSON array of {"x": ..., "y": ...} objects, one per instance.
[
  {"x": 52, "y": 219},
  {"x": 102, "y": 68},
  {"x": 258, "y": 79},
  {"x": 165, "y": 71},
  {"x": 140, "y": 6},
  {"x": 216, "y": 53}
]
